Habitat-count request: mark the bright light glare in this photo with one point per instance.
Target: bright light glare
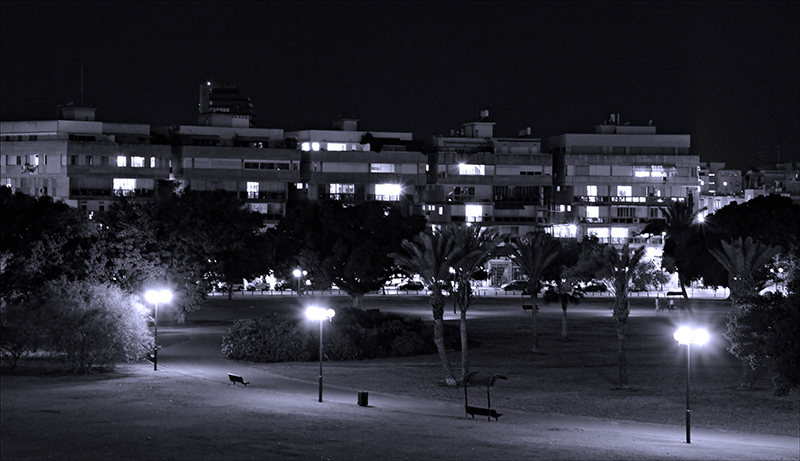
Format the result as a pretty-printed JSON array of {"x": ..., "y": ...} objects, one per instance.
[
  {"x": 158, "y": 296},
  {"x": 318, "y": 313},
  {"x": 297, "y": 273},
  {"x": 688, "y": 335}
]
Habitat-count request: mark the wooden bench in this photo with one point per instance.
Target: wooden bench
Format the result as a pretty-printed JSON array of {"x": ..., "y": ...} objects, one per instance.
[
  {"x": 490, "y": 412},
  {"x": 237, "y": 379},
  {"x": 527, "y": 307}
]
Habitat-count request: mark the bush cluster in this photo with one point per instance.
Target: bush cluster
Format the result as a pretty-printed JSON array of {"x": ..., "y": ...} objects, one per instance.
[
  {"x": 352, "y": 334},
  {"x": 88, "y": 324}
]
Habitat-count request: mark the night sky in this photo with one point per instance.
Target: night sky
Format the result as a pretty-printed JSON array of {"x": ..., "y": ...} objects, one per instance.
[{"x": 727, "y": 73}]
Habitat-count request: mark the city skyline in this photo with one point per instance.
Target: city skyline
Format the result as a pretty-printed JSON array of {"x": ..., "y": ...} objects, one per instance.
[{"x": 725, "y": 73}]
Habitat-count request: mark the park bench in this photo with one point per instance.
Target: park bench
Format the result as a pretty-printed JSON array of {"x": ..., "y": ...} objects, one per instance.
[
  {"x": 527, "y": 307},
  {"x": 490, "y": 412},
  {"x": 237, "y": 379}
]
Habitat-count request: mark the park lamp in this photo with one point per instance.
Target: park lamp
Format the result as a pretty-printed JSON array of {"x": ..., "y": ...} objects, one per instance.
[
  {"x": 154, "y": 297},
  {"x": 318, "y": 313},
  {"x": 688, "y": 336}
]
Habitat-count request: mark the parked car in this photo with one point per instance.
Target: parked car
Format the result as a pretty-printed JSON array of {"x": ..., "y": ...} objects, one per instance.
[
  {"x": 285, "y": 285},
  {"x": 410, "y": 286},
  {"x": 516, "y": 285},
  {"x": 258, "y": 287},
  {"x": 594, "y": 287}
]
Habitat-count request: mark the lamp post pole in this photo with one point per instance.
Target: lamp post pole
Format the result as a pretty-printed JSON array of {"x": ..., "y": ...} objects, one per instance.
[
  {"x": 320, "y": 360},
  {"x": 155, "y": 297},
  {"x": 689, "y": 336},
  {"x": 316, "y": 313},
  {"x": 688, "y": 381}
]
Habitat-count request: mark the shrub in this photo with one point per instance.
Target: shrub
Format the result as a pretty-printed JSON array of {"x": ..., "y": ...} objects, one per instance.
[
  {"x": 90, "y": 324},
  {"x": 352, "y": 334}
]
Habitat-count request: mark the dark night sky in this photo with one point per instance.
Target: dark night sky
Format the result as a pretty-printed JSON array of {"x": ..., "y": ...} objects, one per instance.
[{"x": 726, "y": 73}]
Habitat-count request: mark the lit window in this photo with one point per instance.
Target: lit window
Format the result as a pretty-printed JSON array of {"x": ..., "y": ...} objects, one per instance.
[
  {"x": 466, "y": 169},
  {"x": 473, "y": 213},
  {"x": 315, "y": 146},
  {"x": 388, "y": 192},
  {"x": 593, "y": 212},
  {"x": 641, "y": 174},
  {"x": 152, "y": 162},
  {"x": 591, "y": 191},
  {"x": 305, "y": 146},
  {"x": 335, "y": 146},
  {"x": 122, "y": 161},
  {"x": 124, "y": 186},
  {"x": 441, "y": 211},
  {"x": 619, "y": 232},
  {"x": 252, "y": 189},
  {"x": 381, "y": 168},
  {"x": 137, "y": 162},
  {"x": 299, "y": 186},
  {"x": 624, "y": 191}
]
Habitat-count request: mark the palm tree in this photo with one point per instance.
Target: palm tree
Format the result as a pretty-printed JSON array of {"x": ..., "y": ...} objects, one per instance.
[
  {"x": 568, "y": 293},
  {"x": 475, "y": 245},
  {"x": 430, "y": 256},
  {"x": 680, "y": 218},
  {"x": 619, "y": 267},
  {"x": 534, "y": 253},
  {"x": 743, "y": 258}
]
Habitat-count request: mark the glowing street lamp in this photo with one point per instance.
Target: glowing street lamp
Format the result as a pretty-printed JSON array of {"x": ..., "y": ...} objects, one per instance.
[
  {"x": 298, "y": 274},
  {"x": 689, "y": 336},
  {"x": 317, "y": 313},
  {"x": 154, "y": 297}
]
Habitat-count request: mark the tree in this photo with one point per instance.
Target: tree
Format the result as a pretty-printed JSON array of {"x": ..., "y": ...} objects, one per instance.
[
  {"x": 475, "y": 245},
  {"x": 40, "y": 240},
  {"x": 680, "y": 228},
  {"x": 534, "y": 253},
  {"x": 92, "y": 324},
  {"x": 743, "y": 259},
  {"x": 346, "y": 245},
  {"x": 430, "y": 255},
  {"x": 765, "y": 334},
  {"x": 620, "y": 267}
]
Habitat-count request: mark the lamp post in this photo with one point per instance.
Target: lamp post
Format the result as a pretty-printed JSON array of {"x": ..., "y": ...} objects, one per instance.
[
  {"x": 155, "y": 297},
  {"x": 317, "y": 313},
  {"x": 299, "y": 274},
  {"x": 689, "y": 336}
]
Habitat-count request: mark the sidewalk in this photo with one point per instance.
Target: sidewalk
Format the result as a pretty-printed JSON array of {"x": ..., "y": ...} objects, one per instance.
[{"x": 195, "y": 351}]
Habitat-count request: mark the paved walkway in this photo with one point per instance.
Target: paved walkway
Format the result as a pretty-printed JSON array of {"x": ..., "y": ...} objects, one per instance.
[{"x": 195, "y": 351}]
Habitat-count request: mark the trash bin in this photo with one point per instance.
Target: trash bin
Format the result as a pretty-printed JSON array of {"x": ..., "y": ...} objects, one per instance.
[{"x": 363, "y": 399}]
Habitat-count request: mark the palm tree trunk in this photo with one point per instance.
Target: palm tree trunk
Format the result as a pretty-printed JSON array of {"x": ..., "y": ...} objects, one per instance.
[
  {"x": 464, "y": 349},
  {"x": 622, "y": 358},
  {"x": 564, "y": 334},
  {"x": 534, "y": 308},
  {"x": 437, "y": 306}
]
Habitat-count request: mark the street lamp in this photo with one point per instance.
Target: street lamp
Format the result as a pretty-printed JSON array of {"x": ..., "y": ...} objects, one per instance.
[
  {"x": 298, "y": 274},
  {"x": 155, "y": 297},
  {"x": 689, "y": 336},
  {"x": 318, "y": 313}
]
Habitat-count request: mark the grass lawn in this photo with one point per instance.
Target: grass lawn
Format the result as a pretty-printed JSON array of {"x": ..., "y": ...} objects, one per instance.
[{"x": 133, "y": 413}]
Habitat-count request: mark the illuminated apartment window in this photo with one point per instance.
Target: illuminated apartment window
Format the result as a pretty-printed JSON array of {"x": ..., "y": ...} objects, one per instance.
[
  {"x": 624, "y": 191},
  {"x": 591, "y": 191},
  {"x": 337, "y": 147},
  {"x": 305, "y": 147},
  {"x": 388, "y": 192},
  {"x": 137, "y": 162},
  {"x": 315, "y": 146},
  {"x": 122, "y": 161},
  {"x": 381, "y": 167},
  {"x": 473, "y": 213},
  {"x": 252, "y": 189},
  {"x": 124, "y": 186},
  {"x": 152, "y": 162},
  {"x": 593, "y": 212},
  {"x": 465, "y": 169},
  {"x": 340, "y": 191}
]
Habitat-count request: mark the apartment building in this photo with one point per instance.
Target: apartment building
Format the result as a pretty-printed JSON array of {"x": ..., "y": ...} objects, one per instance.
[
  {"x": 80, "y": 161},
  {"x": 475, "y": 177},
  {"x": 612, "y": 182},
  {"x": 351, "y": 165}
]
